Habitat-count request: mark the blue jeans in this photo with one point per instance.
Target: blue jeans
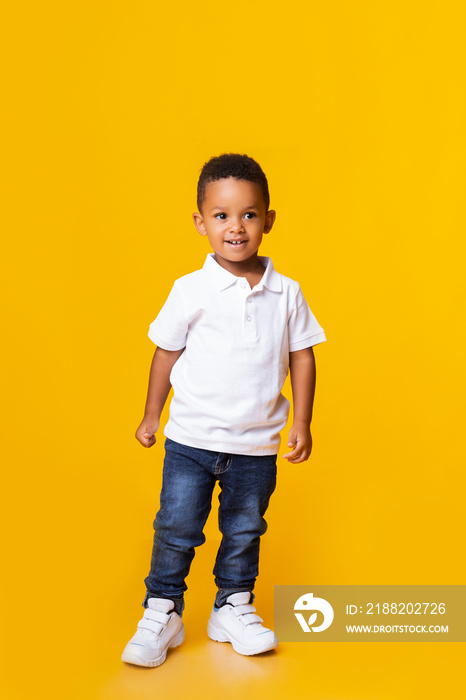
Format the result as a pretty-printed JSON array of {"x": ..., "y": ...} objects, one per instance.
[{"x": 189, "y": 476}]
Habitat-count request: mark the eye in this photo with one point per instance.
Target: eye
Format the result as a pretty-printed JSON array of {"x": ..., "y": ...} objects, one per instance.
[
  {"x": 220, "y": 215},
  {"x": 250, "y": 214}
]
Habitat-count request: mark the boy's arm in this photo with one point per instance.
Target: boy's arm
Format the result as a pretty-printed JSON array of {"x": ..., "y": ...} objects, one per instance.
[
  {"x": 159, "y": 388},
  {"x": 303, "y": 381}
]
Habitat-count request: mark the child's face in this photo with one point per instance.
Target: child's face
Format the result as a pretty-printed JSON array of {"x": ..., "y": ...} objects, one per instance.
[{"x": 234, "y": 219}]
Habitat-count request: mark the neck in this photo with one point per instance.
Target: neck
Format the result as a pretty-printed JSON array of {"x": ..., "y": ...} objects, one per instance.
[{"x": 242, "y": 268}]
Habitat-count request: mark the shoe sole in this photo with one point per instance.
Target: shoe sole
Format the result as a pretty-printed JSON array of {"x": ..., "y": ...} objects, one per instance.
[
  {"x": 129, "y": 658},
  {"x": 218, "y": 635}
]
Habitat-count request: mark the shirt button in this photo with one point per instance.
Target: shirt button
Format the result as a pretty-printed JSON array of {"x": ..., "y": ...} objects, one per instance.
[
  {"x": 249, "y": 318},
  {"x": 249, "y": 300},
  {"x": 242, "y": 285}
]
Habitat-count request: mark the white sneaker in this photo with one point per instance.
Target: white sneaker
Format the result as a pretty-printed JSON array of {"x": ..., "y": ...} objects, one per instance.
[
  {"x": 160, "y": 628},
  {"x": 237, "y": 623}
]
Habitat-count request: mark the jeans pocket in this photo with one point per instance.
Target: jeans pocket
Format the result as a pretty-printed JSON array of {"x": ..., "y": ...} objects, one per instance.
[{"x": 223, "y": 463}]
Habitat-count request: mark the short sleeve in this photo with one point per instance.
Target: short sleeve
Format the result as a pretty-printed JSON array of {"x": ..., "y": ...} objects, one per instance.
[
  {"x": 169, "y": 330},
  {"x": 303, "y": 329}
]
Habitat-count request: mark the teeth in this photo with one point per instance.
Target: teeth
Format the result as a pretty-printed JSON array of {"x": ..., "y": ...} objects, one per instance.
[{"x": 235, "y": 242}]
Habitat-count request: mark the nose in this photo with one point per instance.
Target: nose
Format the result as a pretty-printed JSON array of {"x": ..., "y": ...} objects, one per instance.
[{"x": 236, "y": 224}]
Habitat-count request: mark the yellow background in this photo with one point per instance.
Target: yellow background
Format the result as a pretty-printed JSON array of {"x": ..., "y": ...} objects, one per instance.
[{"x": 356, "y": 112}]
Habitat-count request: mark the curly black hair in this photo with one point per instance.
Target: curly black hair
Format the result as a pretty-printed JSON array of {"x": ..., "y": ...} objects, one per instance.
[{"x": 241, "y": 167}]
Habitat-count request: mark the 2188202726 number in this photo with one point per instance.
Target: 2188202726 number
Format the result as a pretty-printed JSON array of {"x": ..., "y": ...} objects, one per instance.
[{"x": 405, "y": 608}]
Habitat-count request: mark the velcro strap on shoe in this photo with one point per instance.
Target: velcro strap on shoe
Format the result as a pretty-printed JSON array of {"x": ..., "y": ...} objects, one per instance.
[
  {"x": 156, "y": 615},
  {"x": 153, "y": 620},
  {"x": 250, "y": 619},
  {"x": 243, "y": 609},
  {"x": 150, "y": 625},
  {"x": 246, "y": 613}
]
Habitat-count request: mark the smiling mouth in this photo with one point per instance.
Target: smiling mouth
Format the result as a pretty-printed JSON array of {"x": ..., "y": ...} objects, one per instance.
[{"x": 235, "y": 243}]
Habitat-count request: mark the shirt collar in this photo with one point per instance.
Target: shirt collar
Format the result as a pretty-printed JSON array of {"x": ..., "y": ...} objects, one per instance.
[{"x": 223, "y": 279}]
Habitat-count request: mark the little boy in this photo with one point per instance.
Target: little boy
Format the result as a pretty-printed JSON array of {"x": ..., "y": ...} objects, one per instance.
[{"x": 226, "y": 337}]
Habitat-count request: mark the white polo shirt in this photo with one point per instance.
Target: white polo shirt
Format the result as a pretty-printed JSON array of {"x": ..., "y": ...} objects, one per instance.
[{"x": 227, "y": 383}]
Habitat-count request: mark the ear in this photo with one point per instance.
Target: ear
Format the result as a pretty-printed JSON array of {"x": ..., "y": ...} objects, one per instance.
[
  {"x": 269, "y": 220},
  {"x": 199, "y": 223}
]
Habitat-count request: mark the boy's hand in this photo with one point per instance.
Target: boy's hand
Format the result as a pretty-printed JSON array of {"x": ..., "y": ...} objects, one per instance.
[
  {"x": 301, "y": 440},
  {"x": 146, "y": 432}
]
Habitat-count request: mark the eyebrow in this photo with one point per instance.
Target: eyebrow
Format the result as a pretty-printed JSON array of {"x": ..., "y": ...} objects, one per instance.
[{"x": 222, "y": 208}]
